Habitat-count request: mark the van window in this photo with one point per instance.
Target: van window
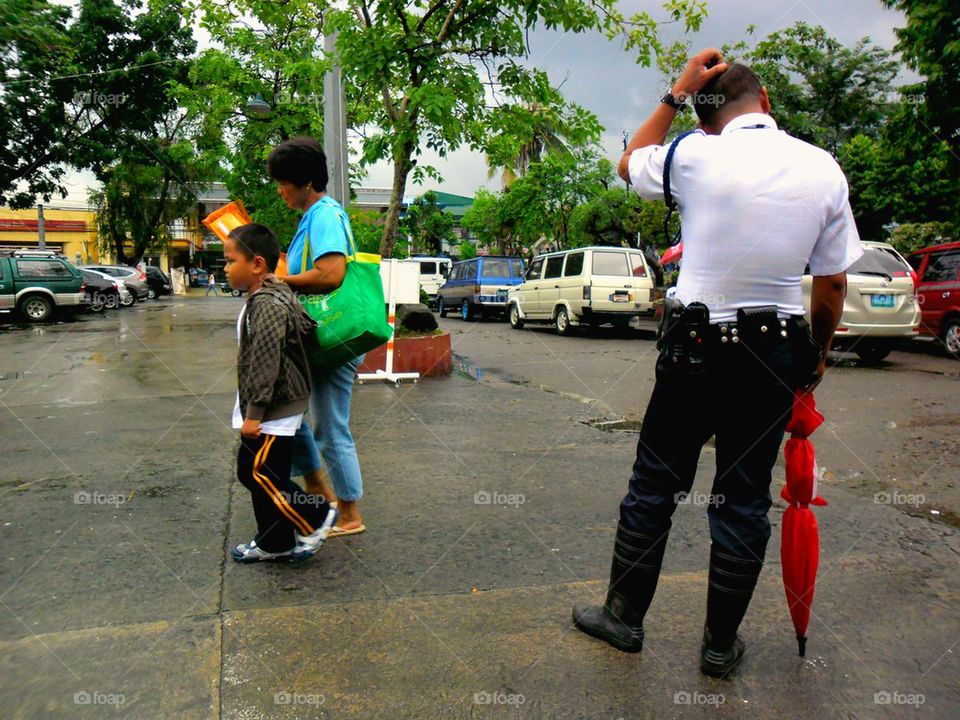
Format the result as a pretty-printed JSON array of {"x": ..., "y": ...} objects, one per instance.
[
  {"x": 42, "y": 269},
  {"x": 470, "y": 270},
  {"x": 574, "y": 265},
  {"x": 428, "y": 268},
  {"x": 610, "y": 263},
  {"x": 880, "y": 262},
  {"x": 942, "y": 267},
  {"x": 554, "y": 267},
  {"x": 536, "y": 267},
  {"x": 498, "y": 268},
  {"x": 637, "y": 265}
]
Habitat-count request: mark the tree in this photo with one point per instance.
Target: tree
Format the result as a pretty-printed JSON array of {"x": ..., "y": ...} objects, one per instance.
[
  {"x": 610, "y": 218},
  {"x": 427, "y": 225},
  {"x": 822, "y": 91},
  {"x": 909, "y": 237},
  {"x": 266, "y": 49},
  {"x": 417, "y": 69},
  {"x": 85, "y": 94}
]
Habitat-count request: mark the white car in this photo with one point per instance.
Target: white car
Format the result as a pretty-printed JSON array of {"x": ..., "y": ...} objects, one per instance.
[
  {"x": 587, "y": 286},
  {"x": 881, "y": 307}
]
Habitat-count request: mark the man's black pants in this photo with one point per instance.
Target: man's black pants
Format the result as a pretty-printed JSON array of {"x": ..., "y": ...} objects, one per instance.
[
  {"x": 744, "y": 401},
  {"x": 279, "y": 504}
]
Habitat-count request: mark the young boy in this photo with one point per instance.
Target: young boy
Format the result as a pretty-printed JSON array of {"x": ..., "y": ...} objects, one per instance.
[{"x": 272, "y": 389}]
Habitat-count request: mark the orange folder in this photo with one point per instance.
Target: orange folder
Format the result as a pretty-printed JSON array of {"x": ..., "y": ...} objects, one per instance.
[{"x": 228, "y": 218}]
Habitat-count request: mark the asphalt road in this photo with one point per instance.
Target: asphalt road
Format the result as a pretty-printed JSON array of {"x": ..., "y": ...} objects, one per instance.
[
  {"x": 891, "y": 431},
  {"x": 491, "y": 505}
]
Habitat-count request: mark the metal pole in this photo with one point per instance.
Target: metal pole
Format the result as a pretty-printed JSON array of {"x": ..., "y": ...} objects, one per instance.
[
  {"x": 335, "y": 126},
  {"x": 41, "y": 231},
  {"x": 625, "y": 182}
]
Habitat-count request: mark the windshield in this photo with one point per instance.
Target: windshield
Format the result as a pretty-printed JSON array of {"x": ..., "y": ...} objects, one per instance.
[
  {"x": 879, "y": 261},
  {"x": 502, "y": 268}
]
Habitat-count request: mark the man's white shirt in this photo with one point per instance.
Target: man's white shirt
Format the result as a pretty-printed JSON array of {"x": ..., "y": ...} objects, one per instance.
[{"x": 756, "y": 207}]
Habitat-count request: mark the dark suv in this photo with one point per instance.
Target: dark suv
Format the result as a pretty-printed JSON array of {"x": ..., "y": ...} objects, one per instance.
[{"x": 37, "y": 282}]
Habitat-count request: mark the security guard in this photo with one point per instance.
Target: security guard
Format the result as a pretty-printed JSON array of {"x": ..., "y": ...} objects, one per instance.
[{"x": 757, "y": 207}]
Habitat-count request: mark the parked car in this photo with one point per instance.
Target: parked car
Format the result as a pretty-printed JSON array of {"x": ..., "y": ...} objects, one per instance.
[
  {"x": 198, "y": 277},
  {"x": 158, "y": 282},
  {"x": 588, "y": 286},
  {"x": 881, "y": 307},
  {"x": 133, "y": 278},
  {"x": 37, "y": 282},
  {"x": 938, "y": 271},
  {"x": 227, "y": 290},
  {"x": 480, "y": 285},
  {"x": 102, "y": 290},
  {"x": 434, "y": 272}
]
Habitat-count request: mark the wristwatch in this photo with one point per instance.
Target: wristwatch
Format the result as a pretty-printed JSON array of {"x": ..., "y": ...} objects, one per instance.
[{"x": 672, "y": 101}]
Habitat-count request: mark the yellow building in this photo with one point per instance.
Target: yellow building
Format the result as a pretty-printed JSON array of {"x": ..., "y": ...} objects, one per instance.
[{"x": 73, "y": 232}]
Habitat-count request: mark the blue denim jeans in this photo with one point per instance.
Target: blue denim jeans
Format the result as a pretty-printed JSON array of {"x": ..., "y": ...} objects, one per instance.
[{"x": 329, "y": 443}]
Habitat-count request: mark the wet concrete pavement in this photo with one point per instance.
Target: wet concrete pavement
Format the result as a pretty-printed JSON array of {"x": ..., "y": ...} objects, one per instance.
[{"x": 491, "y": 507}]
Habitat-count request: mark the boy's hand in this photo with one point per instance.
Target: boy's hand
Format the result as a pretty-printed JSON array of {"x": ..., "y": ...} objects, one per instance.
[{"x": 250, "y": 429}]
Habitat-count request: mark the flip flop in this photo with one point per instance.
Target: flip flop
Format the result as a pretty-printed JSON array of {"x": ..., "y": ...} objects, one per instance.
[{"x": 337, "y": 531}]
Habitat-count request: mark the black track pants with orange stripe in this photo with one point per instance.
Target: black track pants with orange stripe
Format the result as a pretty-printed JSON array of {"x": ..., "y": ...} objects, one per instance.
[{"x": 279, "y": 504}]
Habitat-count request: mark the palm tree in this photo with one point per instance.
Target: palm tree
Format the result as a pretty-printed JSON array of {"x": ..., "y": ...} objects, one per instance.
[{"x": 545, "y": 132}]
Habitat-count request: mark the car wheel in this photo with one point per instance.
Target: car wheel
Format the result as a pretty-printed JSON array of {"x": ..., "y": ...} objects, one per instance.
[
  {"x": 951, "y": 337},
  {"x": 151, "y": 294},
  {"x": 516, "y": 322},
  {"x": 111, "y": 301},
  {"x": 36, "y": 308},
  {"x": 872, "y": 353},
  {"x": 97, "y": 302},
  {"x": 466, "y": 312},
  {"x": 235, "y": 293},
  {"x": 441, "y": 307},
  {"x": 129, "y": 300},
  {"x": 561, "y": 321}
]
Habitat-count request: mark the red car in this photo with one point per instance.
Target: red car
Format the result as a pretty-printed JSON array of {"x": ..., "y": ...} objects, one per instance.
[{"x": 938, "y": 270}]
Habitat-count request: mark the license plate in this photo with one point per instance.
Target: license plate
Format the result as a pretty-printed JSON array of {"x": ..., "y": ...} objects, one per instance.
[
  {"x": 501, "y": 297},
  {"x": 881, "y": 300},
  {"x": 625, "y": 298}
]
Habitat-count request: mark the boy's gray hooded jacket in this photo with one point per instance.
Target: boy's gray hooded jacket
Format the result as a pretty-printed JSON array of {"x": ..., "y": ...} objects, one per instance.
[{"x": 273, "y": 375}]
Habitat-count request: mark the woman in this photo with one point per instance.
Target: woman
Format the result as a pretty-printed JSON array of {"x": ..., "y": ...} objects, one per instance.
[{"x": 299, "y": 168}]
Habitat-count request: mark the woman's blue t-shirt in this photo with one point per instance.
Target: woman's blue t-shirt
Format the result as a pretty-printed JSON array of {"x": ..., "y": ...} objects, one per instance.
[{"x": 323, "y": 227}]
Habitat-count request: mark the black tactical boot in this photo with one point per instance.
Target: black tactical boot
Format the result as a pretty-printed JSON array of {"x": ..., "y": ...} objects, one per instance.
[
  {"x": 633, "y": 580},
  {"x": 732, "y": 581}
]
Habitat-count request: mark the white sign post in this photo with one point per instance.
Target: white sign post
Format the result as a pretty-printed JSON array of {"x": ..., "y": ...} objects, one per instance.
[{"x": 401, "y": 283}]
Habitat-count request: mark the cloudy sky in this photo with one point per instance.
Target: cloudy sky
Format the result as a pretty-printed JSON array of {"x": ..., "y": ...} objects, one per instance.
[{"x": 602, "y": 77}]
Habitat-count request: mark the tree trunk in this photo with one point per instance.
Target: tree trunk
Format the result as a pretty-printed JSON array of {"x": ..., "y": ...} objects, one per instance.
[{"x": 401, "y": 169}]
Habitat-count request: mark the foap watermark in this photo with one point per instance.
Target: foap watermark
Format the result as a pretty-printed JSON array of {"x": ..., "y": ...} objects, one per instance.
[
  {"x": 895, "y": 697},
  {"x": 684, "y": 697},
  {"x": 99, "y": 99},
  {"x": 83, "y": 497},
  {"x": 498, "y": 498},
  {"x": 294, "y": 698},
  {"x": 895, "y": 497},
  {"x": 300, "y": 497},
  {"x": 95, "y": 697},
  {"x": 498, "y": 698},
  {"x": 698, "y": 498}
]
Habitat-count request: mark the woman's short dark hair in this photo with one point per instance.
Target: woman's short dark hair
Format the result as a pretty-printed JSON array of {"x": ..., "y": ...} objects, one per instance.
[
  {"x": 300, "y": 161},
  {"x": 255, "y": 239}
]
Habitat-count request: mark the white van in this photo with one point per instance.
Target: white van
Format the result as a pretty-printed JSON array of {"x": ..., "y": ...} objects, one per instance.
[
  {"x": 433, "y": 274},
  {"x": 587, "y": 286}
]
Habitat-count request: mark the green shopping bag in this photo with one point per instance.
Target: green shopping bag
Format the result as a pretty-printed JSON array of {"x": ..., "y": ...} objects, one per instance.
[{"x": 352, "y": 319}]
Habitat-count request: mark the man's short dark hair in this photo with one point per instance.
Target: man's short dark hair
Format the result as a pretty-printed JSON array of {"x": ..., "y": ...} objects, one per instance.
[
  {"x": 300, "y": 161},
  {"x": 737, "y": 83},
  {"x": 255, "y": 239}
]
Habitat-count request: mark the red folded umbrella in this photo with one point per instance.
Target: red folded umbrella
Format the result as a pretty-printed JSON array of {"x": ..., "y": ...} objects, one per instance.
[
  {"x": 672, "y": 254},
  {"x": 800, "y": 547}
]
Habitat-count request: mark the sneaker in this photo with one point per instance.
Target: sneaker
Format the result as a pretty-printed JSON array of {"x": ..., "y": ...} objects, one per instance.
[
  {"x": 307, "y": 545},
  {"x": 251, "y": 552}
]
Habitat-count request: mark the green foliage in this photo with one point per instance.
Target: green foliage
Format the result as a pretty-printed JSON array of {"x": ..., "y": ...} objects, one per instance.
[
  {"x": 267, "y": 49},
  {"x": 367, "y": 227},
  {"x": 909, "y": 237},
  {"x": 427, "y": 225},
  {"x": 822, "y": 91},
  {"x": 420, "y": 72},
  {"x": 89, "y": 93},
  {"x": 467, "y": 250}
]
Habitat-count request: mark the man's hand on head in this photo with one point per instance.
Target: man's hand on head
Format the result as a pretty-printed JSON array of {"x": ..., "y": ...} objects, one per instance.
[{"x": 701, "y": 69}]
